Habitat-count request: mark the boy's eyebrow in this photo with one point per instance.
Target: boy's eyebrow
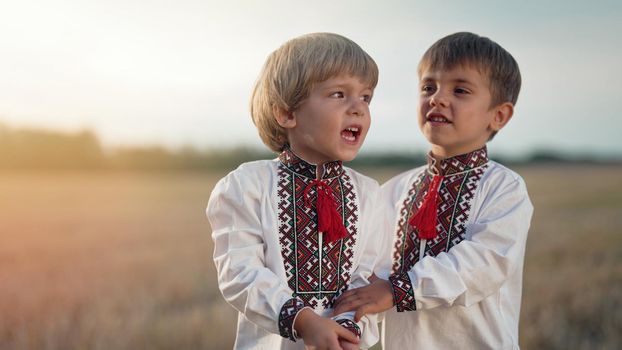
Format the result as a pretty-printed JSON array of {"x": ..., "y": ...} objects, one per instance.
[
  {"x": 462, "y": 81},
  {"x": 455, "y": 81},
  {"x": 342, "y": 85}
]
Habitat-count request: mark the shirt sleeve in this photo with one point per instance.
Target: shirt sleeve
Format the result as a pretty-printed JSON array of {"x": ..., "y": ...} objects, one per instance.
[
  {"x": 245, "y": 282},
  {"x": 476, "y": 267}
]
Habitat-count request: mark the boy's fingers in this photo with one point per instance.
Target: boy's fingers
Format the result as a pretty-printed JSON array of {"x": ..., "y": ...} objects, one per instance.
[
  {"x": 334, "y": 345},
  {"x": 341, "y": 307},
  {"x": 373, "y": 278},
  {"x": 345, "y": 334},
  {"x": 361, "y": 311},
  {"x": 337, "y": 302},
  {"x": 345, "y": 306},
  {"x": 337, "y": 310},
  {"x": 347, "y": 294}
]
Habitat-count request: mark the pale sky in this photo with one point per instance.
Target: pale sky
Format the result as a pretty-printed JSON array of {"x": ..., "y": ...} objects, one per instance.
[{"x": 181, "y": 72}]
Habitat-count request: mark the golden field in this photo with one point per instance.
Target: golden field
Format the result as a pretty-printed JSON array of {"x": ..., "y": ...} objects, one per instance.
[{"x": 114, "y": 260}]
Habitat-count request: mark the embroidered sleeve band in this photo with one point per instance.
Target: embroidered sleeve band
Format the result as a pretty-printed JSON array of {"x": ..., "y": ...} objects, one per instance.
[
  {"x": 287, "y": 316},
  {"x": 351, "y": 326},
  {"x": 403, "y": 294}
]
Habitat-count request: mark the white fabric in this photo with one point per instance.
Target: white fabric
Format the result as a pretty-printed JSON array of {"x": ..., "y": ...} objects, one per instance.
[
  {"x": 469, "y": 297},
  {"x": 243, "y": 214}
]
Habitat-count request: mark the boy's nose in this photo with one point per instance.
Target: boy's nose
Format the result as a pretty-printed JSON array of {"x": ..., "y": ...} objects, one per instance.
[
  {"x": 438, "y": 99},
  {"x": 357, "y": 107}
]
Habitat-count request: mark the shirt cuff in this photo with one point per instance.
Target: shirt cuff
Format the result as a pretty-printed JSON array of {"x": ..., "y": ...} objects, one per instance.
[
  {"x": 287, "y": 316},
  {"x": 403, "y": 293},
  {"x": 351, "y": 326}
]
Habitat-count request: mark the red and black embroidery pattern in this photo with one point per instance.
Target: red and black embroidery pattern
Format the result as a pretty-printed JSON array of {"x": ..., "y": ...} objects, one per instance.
[
  {"x": 288, "y": 313},
  {"x": 351, "y": 326},
  {"x": 407, "y": 243},
  {"x": 403, "y": 294},
  {"x": 461, "y": 178},
  {"x": 316, "y": 271}
]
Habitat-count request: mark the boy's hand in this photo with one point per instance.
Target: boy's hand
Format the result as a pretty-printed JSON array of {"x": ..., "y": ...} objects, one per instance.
[
  {"x": 322, "y": 333},
  {"x": 346, "y": 345},
  {"x": 371, "y": 299}
]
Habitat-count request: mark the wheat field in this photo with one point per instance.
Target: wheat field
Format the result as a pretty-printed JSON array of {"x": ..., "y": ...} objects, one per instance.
[{"x": 112, "y": 260}]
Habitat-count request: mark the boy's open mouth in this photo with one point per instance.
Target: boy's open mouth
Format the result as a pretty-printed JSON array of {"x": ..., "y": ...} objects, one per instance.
[
  {"x": 437, "y": 118},
  {"x": 351, "y": 133}
]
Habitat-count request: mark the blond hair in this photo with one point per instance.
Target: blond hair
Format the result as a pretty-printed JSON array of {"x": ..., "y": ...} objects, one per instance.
[{"x": 291, "y": 71}]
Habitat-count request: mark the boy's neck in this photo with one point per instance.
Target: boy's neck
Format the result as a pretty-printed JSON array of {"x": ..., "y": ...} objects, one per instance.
[
  {"x": 320, "y": 167},
  {"x": 439, "y": 153},
  {"x": 440, "y": 161},
  {"x": 319, "y": 170}
]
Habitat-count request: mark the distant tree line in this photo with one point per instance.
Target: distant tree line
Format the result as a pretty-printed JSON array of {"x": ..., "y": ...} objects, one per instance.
[
  {"x": 34, "y": 149},
  {"x": 29, "y": 148}
]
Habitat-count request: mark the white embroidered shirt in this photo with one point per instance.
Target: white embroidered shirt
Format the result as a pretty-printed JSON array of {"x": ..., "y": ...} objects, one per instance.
[
  {"x": 462, "y": 289},
  {"x": 271, "y": 260}
]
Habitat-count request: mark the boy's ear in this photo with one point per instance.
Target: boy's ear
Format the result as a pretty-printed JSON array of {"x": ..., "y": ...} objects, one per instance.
[
  {"x": 503, "y": 114},
  {"x": 286, "y": 119}
]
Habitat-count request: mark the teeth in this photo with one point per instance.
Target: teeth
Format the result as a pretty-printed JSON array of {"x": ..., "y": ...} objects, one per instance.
[
  {"x": 350, "y": 133},
  {"x": 437, "y": 119}
]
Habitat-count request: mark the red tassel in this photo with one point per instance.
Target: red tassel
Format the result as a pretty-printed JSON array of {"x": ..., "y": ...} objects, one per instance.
[
  {"x": 329, "y": 220},
  {"x": 425, "y": 218}
]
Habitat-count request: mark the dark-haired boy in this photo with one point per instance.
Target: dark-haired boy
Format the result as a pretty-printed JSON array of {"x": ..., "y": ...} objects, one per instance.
[{"x": 459, "y": 224}]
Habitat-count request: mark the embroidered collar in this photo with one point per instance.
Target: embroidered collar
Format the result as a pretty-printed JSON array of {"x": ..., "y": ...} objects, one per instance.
[
  {"x": 301, "y": 167},
  {"x": 458, "y": 164}
]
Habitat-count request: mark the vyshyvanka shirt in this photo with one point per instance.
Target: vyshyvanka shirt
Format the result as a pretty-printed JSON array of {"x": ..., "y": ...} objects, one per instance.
[
  {"x": 271, "y": 260},
  {"x": 462, "y": 288}
]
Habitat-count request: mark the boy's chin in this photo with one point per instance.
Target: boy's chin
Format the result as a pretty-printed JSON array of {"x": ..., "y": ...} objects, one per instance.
[{"x": 348, "y": 157}]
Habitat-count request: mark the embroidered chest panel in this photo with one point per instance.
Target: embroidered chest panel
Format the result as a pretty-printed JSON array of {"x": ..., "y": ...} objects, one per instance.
[
  {"x": 456, "y": 193},
  {"x": 316, "y": 271}
]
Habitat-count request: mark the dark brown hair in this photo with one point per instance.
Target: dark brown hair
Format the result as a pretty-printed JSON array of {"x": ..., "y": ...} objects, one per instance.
[{"x": 481, "y": 53}]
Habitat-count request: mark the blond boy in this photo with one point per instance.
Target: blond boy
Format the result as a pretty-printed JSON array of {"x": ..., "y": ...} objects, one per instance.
[{"x": 291, "y": 234}]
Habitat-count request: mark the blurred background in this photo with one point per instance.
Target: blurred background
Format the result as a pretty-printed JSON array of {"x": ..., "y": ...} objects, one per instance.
[{"x": 118, "y": 117}]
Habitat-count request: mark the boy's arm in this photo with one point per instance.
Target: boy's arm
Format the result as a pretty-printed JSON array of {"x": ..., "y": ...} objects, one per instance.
[
  {"x": 243, "y": 278},
  {"x": 375, "y": 297},
  {"x": 476, "y": 267},
  {"x": 472, "y": 270},
  {"x": 323, "y": 333}
]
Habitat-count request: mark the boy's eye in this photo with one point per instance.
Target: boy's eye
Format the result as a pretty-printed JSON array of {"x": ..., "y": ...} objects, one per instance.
[
  {"x": 338, "y": 94},
  {"x": 461, "y": 91},
  {"x": 366, "y": 98},
  {"x": 426, "y": 89}
]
